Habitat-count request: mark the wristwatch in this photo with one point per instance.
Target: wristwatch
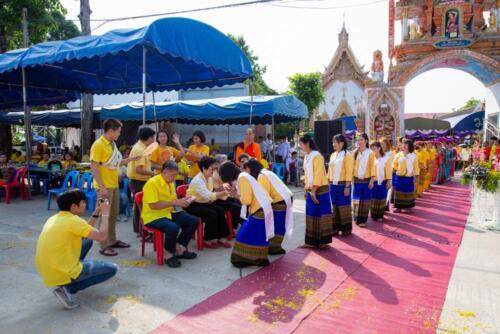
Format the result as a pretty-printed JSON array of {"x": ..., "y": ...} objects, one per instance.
[{"x": 95, "y": 216}]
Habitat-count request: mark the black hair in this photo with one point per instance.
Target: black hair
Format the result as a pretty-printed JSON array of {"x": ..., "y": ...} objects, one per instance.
[
  {"x": 307, "y": 139},
  {"x": 145, "y": 133},
  {"x": 255, "y": 167},
  {"x": 158, "y": 135},
  {"x": 365, "y": 137},
  {"x": 294, "y": 153},
  {"x": 244, "y": 155},
  {"x": 379, "y": 145},
  {"x": 229, "y": 172},
  {"x": 170, "y": 165},
  {"x": 111, "y": 124},
  {"x": 340, "y": 138},
  {"x": 409, "y": 142},
  {"x": 70, "y": 197},
  {"x": 205, "y": 162},
  {"x": 200, "y": 135}
]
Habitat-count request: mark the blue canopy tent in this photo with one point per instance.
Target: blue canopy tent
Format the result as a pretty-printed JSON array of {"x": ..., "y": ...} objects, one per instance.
[
  {"x": 61, "y": 118},
  {"x": 232, "y": 110},
  {"x": 470, "y": 124},
  {"x": 169, "y": 54}
]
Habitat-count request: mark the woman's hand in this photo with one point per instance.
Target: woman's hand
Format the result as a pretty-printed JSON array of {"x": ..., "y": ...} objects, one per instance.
[
  {"x": 388, "y": 184},
  {"x": 370, "y": 185},
  {"x": 314, "y": 198},
  {"x": 347, "y": 191}
]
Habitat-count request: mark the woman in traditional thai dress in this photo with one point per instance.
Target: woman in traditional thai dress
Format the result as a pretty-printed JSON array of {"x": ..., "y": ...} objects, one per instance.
[
  {"x": 252, "y": 241},
  {"x": 476, "y": 151},
  {"x": 397, "y": 152},
  {"x": 364, "y": 179},
  {"x": 448, "y": 159},
  {"x": 340, "y": 171},
  {"x": 432, "y": 164},
  {"x": 318, "y": 207},
  {"x": 383, "y": 168},
  {"x": 281, "y": 198},
  {"x": 389, "y": 151},
  {"x": 422, "y": 166},
  {"x": 441, "y": 161},
  {"x": 406, "y": 166},
  {"x": 454, "y": 158}
]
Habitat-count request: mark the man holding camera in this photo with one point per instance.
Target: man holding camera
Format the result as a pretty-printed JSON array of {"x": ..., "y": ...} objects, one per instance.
[{"x": 64, "y": 243}]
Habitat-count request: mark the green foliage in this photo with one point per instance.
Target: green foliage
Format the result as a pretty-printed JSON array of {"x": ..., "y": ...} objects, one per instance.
[
  {"x": 286, "y": 129},
  {"x": 41, "y": 20},
  {"x": 471, "y": 103},
  {"x": 259, "y": 86},
  {"x": 307, "y": 88},
  {"x": 63, "y": 29},
  {"x": 481, "y": 173}
]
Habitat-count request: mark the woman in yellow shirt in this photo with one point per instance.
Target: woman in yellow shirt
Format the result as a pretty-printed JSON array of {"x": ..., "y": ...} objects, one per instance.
[
  {"x": 68, "y": 162},
  {"x": 214, "y": 216},
  {"x": 318, "y": 206},
  {"x": 364, "y": 179},
  {"x": 163, "y": 152},
  {"x": 252, "y": 241},
  {"x": 281, "y": 198},
  {"x": 406, "y": 166},
  {"x": 340, "y": 171},
  {"x": 196, "y": 151},
  {"x": 383, "y": 169},
  {"x": 422, "y": 166}
]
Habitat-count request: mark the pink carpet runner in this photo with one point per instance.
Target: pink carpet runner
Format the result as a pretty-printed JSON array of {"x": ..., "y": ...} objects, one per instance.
[{"x": 388, "y": 278}]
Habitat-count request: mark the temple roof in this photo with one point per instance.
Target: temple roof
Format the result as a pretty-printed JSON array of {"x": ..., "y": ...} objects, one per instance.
[{"x": 343, "y": 65}]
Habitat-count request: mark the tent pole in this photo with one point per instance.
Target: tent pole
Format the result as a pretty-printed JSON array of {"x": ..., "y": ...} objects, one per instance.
[
  {"x": 251, "y": 104},
  {"x": 154, "y": 111},
  {"x": 273, "y": 156},
  {"x": 228, "y": 145},
  {"x": 143, "y": 85},
  {"x": 27, "y": 112}
]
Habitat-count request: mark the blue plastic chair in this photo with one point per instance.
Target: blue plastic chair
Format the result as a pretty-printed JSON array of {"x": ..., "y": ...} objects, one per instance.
[
  {"x": 124, "y": 194},
  {"x": 279, "y": 169},
  {"x": 85, "y": 184},
  {"x": 70, "y": 180}
]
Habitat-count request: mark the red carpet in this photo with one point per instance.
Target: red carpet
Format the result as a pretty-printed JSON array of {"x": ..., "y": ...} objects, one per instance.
[{"x": 388, "y": 278}]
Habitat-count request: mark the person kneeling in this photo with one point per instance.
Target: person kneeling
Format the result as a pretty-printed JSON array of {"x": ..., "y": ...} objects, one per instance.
[
  {"x": 163, "y": 211},
  {"x": 64, "y": 243}
]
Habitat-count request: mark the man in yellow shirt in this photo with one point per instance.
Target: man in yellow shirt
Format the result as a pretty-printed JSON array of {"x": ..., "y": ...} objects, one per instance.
[
  {"x": 141, "y": 170},
  {"x": 163, "y": 211},
  {"x": 105, "y": 160},
  {"x": 63, "y": 244}
]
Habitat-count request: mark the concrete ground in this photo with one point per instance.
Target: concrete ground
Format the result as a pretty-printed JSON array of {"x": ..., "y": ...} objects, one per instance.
[{"x": 142, "y": 296}]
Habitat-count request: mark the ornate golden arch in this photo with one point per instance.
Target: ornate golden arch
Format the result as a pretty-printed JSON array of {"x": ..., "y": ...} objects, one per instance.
[
  {"x": 394, "y": 107},
  {"x": 343, "y": 109}
]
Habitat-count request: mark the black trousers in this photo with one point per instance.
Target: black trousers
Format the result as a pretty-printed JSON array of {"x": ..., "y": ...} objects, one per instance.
[
  {"x": 233, "y": 206},
  {"x": 136, "y": 186},
  {"x": 214, "y": 218}
]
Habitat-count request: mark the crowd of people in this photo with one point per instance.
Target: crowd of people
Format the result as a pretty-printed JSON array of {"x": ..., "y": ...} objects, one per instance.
[{"x": 240, "y": 197}]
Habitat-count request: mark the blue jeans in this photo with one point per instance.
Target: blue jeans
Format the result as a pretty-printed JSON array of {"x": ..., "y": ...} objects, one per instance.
[
  {"x": 170, "y": 228},
  {"x": 93, "y": 272}
]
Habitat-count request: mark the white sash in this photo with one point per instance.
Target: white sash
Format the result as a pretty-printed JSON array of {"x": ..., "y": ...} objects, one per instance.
[
  {"x": 381, "y": 169},
  {"x": 337, "y": 166},
  {"x": 263, "y": 201},
  {"x": 410, "y": 158},
  {"x": 115, "y": 159},
  {"x": 309, "y": 170},
  {"x": 283, "y": 190},
  {"x": 363, "y": 162}
]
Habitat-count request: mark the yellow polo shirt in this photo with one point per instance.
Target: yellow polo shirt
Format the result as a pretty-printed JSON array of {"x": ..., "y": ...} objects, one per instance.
[
  {"x": 58, "y": 248},
  {"x": 100, "y": 152},
  {"x": 157, "y": 190},
  {"x": 204, "y": 149},
  {"x": 138, "y": 150}
]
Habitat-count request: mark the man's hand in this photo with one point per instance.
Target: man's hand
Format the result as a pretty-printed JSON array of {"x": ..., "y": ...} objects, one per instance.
[
  {"x": 103, "y": 192},
  {"x": 182, "y": 202},
  {"x": 103, "y": 207}
]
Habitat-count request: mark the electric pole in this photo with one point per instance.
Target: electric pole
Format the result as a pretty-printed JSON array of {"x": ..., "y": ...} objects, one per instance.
[{"x": 87, "y": 100}]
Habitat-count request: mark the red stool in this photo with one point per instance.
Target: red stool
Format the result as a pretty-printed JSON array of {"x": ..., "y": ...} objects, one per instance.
[
  {"x": 157, "y": 234},
  {"x": 18, "y": 181}
]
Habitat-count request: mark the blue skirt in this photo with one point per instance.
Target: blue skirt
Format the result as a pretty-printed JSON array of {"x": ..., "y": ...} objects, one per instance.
[
  {"x": 379, "y": 200},
  {"x": 279, "y": 213},
  {"x": 251, "y": 247},
  {"x": 319, "y": 218},
  {"x": 341, "y": 209},
  {"x": 404, "y": 194},
  {"x": 361, "y": 200}
]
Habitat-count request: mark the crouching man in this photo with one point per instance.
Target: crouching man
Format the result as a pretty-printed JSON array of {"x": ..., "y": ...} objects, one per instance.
[{"x": 63, "y": 244}]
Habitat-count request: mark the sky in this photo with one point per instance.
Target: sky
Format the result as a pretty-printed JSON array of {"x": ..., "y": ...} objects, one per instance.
[{"x": 299, "y": 40}]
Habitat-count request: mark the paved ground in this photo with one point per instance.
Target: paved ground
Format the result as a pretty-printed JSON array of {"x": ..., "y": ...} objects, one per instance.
[{"x": 143, "y": 296}]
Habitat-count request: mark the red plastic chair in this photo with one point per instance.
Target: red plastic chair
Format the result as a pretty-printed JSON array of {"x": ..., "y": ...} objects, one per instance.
[
  {"x": 181, "y": 192},
  {"x": 19, "y": 182},
  {"x": 157, "y": 234}
]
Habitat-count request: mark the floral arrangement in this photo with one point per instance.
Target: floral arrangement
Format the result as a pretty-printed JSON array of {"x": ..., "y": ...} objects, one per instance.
[{"x": 486, "y": 179}]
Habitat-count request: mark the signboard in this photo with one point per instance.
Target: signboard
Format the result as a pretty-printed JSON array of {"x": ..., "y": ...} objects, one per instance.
[{"x": 453, "y": 43}]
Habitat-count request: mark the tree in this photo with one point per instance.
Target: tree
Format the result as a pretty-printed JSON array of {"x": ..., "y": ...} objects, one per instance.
[
  {"x": 63, "y": 29},
  {"x": 307, "y": 88},
  {"x": 42, "y": 19},
  {"x": 471, "y": 103},
  {"x": 259, "y": 86}
]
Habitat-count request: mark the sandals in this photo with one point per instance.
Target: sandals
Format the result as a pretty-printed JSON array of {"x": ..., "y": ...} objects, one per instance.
[
  {"x": 210, "y": 245},
  {"x": 108, "y": 251},
  {"x": 225, "y": 244},
  {"x": 119, "y": 244},
  {"x": 187, "y": 255},
  {"x": 173, "y": 262}
]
